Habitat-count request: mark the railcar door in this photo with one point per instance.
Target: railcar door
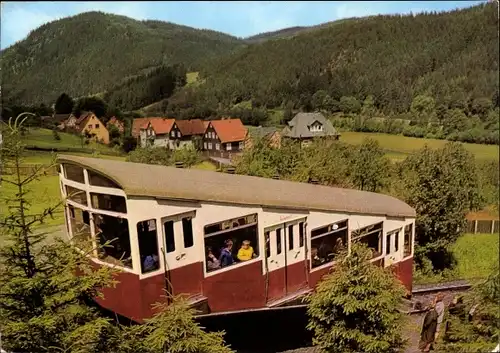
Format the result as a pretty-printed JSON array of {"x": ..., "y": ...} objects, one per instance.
[
  {"x": 182, "y": 265},
  {"x": 285, "y": 258}
]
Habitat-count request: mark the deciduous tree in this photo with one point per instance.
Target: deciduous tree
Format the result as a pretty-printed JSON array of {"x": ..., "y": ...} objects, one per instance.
[{"x": 369, "y": 167}]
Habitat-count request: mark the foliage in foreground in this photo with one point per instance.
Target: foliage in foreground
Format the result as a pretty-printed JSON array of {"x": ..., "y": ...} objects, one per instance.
[
  {"x": 150, "y": 155},
  {"x": 480, "y": 332},
  {"x": 355, "y": 308}
]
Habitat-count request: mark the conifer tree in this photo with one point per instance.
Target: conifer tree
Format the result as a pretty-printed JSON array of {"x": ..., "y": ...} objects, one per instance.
[
  {"x": 43, "y": 303},
  {"x": 356, "y": 307}
]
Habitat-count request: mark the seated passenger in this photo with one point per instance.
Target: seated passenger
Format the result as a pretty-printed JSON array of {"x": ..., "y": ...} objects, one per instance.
[
  {"x": 246, "y": 251},
  {"x": 316, "y": 260},
  {"x": 226, "y": 257},
  {"x": 150, "y": 263},
  {"x": 339, "y": 246},
  {"x": 212, "y": 262}
]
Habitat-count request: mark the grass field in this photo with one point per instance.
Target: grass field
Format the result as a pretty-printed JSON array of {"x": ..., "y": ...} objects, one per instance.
[
  {"x": 44, "y": 138},
  {"x": 399, "y": 146},
  {"x": 476, "y": 255}
]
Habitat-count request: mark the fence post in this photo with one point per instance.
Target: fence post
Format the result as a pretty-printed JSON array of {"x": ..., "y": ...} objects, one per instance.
[
  {"x": 475, "y": 226},
  {"x": 493, "y": 226}
]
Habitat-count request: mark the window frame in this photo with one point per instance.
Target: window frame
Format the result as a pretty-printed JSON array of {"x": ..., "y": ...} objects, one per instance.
[
  {"x": 229, "y": 146},
  {"x": 142, "y": 272},
  {"x": 374, "y": 230},
  {"x": 411, "y": 233},
  {"x": 322, "y": 235}
]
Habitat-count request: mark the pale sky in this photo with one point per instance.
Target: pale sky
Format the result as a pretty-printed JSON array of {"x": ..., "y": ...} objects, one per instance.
[{"x": 239, "y": 18}]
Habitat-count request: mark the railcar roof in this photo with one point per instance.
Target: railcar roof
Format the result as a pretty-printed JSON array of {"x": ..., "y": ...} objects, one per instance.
[{"x": 157, "y": 181}]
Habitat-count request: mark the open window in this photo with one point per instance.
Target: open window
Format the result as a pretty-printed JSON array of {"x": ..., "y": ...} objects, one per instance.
[
  {"x": 80, "y": 227},
  {"x": 328, "y": 242},
  {"x": 408, "y": 240},
  {"x": 371, "y": 236},
  {"x": 148, "y": 245},
  {"x": 74, "y": 172},
  {"x": 231, "y": 241},
  {"x": 76, "y": 195},
  {"x": 108, "y": 202},
  {"x": 113, "y": 230},
  {"x": 392, "y": 238},
  {"x": 97, "y": 179}
]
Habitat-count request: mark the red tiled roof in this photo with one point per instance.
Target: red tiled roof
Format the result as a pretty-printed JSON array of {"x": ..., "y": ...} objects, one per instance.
[
  {"x": 160, "y": 125},
  {"x": 191, "y": 127},
  {"x": 137, "y": 124},
  {"x": 119, "y": 124},
  {"x": 229, "y": 130}
]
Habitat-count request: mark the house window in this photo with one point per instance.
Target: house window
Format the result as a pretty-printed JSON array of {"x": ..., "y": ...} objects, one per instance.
[
  {"x": 172, "y": 134},
  {"x": 241, "y": 145},
  {"x": 290, "y": 237},
  {"x": 114, "y": 240},
  {"x": 187, "y": 231},
  {"x": 328, "y": 242},
  {"x": 178, "y": 134},
  {"x": 76, "y": 195},
  {"x": 408, "y": 242},
  {"x": 97, "y": 179},
  {"x": 212, "y": 134},
  {"x": 74, "y": 172},
  {"x": 217, "y": 146},
  {"x": 108, "y": 202},
  {"x": 80, "y": 227},
  {"x": 97, "y": 126},
  {"x": 228, "y": 146},
  {"x": 231, "y": 242},
  {"x": 206, "y": 135},
  {"x": 205, "y": 145},
  {"x": 371, "y": 236},
  {"x": 89, "y": 126},
  {"x": 168, "y": 227},
  {"x": 210, "y": 145},
  {"x": 148, "y": 245}
]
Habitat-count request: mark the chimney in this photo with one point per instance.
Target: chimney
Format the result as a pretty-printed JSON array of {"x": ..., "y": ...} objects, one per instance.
[
  {"x": 230, "y": 170},
  {"x": 179, "y": 165}
]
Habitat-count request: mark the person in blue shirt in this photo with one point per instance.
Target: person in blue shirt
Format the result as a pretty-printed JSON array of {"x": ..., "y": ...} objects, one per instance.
[{"x": 226, "y": 257}]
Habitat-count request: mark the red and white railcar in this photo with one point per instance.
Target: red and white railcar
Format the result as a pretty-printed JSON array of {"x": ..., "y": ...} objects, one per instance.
[{"x": 165, "y": 220}]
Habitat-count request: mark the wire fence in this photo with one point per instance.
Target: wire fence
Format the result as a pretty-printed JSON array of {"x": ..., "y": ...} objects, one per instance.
[
  {"x": 27, "y": 169},
  {"x": 491, "y": 226}
]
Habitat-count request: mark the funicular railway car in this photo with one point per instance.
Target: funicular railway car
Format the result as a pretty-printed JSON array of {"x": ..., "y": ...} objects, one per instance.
[{"x": 228, "y": 242}]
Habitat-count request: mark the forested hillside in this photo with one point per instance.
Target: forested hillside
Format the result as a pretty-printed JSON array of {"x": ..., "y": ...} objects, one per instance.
[
  {"x": 452, "y": 57},
  {"x": 91, "y": 52}
]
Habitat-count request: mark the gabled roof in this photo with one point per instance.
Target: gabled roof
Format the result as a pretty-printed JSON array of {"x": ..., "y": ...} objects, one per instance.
[
  {"x": 83, "y": 116},
  {"x": 137, "y": 124},
  {"x": 299, "y": 126},
  {"x": 261, "y": 132},
  {"x": 229, "y": 130},
  {"x": 191, "y": 127},
  {"x": 155, "y": 181},
  {"x": 160, "y": 125}
]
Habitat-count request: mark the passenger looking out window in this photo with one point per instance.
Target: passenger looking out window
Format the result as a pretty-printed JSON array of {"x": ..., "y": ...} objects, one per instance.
[
  {"x": 329, "y": 241},
  {"x": 371, "y": 236},
  {"x": 148, "y": 245},
  {"x": 246, "y": 251},
  {"x": 212, "y": 262},
  {"x": 114, "y": 240},
  {"x": 226, "y": 257}
]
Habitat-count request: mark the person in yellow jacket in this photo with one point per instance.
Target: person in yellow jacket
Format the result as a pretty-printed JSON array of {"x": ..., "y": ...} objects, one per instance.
[{"x": 246, "y": 251}]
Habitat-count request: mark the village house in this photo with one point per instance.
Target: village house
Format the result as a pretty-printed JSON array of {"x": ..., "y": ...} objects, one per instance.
[
  {"x": 117, "y": 123},
  {"x": 269, "y": 135},
  {"x": 91, "y": 123},
  {"x": 57, "y": 120},
  {"x": 136, "y": 128},
  {"x": 306, "y": 126},
  {"x": 156, "y": 132},
  {"x": 224, "y": 137},
  {"x": 188, "y": 133}
]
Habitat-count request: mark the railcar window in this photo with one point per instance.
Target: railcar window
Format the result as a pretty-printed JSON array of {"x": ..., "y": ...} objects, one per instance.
[
  {"x": 301, "y": 234},
  {"x": 108, "y": 202},
  {"x": 388, "y": 243},
  {"x": 169, "y": 236},
  {"x": 396, "y": 242},
  {"x": 77, "y": 195},
  {"x": 80, "y": 227},
  {"x": 231, "y": 241},
  {"x": 187, "y": 230},
  {"x": 328, "y": 242},
  {"x": 389, "y": 237},
  {"x": 74, "y": 172},
  {"x": 97, "y": 179},
  {"x": 148, "y": 245},
  {"x": 278, "y": 241},
  {"x": 290, "y": 237},
  {"x": 371, "y": 236},
  {"x": 408, "y": 240},
  {"x": 113, "y": 231},
  {"x": 268, "y": 244}
]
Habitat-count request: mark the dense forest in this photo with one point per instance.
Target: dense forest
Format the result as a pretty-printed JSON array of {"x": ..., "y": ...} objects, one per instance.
[{"x": 91, "y": 52}]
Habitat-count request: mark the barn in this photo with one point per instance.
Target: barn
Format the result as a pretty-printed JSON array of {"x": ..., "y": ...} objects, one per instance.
[{"x": 227, "y": 242}]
